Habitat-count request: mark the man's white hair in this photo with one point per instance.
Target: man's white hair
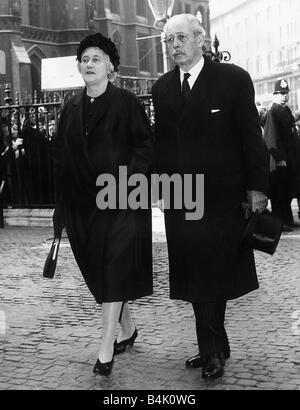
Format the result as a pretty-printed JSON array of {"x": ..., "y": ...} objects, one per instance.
[{"x": 190, "y": 19}]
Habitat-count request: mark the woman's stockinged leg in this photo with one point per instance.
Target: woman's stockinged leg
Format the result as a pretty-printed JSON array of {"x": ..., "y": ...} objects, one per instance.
[
  {"x": 127, "y": 325},
  {"x": 111, "y": 314}
]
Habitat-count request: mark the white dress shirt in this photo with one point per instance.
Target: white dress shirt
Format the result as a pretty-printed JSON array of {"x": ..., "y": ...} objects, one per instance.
[{"x": 194, "y": 72}]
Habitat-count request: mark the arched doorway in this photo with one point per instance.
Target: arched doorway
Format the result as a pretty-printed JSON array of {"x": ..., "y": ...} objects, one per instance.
[{"x": 36, "y": 55}]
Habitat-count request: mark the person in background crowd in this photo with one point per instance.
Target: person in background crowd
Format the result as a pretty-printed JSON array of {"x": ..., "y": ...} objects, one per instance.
[
  {"x": 18, "y": 166},
  {"x": 297, "y": 123},
  {"x": 284, "y": 152},
  {"x": 206, "y": 123},
  {"x": 6, "y": 158},
  {"x": 3, "y": 150},
  {"x": 101, "y": 129},
  {"x": 262, "y": 111},
  {"x": 52, "y": 129}
]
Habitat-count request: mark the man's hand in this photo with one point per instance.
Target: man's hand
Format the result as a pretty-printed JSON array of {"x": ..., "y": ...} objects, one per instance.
[
  {"x": 281, "y": 164},
  {"x": 16, "y": 143},
  {"x": 257, "y": 201}
]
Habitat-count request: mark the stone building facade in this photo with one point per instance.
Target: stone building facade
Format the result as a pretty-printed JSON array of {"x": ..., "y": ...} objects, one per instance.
[
  {"x": 31, "y": 30},
  {"x": 263, "y": 37}
]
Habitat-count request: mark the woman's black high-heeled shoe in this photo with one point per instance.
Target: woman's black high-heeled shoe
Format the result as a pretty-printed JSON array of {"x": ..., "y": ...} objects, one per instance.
[
  {"x": 104, "y": 369},
  {"x": 121, "y": 346}
]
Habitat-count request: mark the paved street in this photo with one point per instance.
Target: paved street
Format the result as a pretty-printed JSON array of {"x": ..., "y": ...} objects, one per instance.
[{"x": 50, "y": 330}]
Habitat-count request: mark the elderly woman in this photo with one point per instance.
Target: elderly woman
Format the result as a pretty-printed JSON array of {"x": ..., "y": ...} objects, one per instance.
[{"x": 100, "y": 130}]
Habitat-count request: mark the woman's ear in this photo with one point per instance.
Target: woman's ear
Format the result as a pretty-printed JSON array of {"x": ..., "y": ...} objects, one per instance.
[{"x": 79, "y": 67}]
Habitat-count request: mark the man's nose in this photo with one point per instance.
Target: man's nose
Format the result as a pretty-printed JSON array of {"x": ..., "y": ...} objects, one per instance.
[{"x": 176, "y": 43}]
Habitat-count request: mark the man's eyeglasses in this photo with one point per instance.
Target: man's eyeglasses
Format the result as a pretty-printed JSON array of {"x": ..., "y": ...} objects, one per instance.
[{"x": 180, "y": 37}]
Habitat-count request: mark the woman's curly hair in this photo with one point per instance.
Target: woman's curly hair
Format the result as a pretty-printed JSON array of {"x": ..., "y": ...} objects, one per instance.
[{"x": 105, "y": 44}]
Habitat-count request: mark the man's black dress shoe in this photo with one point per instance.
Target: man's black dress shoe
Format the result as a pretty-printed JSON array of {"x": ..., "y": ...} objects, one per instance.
[
  {"x": 194, "y": 362},
  {"x": 104, "y": 369},
  {"x": 197, "y": 361},
  {"x": 213, "y": 366},
  {"x": 121, "y": 346}
]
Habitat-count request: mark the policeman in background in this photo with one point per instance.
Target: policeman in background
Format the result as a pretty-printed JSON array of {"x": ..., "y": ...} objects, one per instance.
[{"x": 284, "y": 156}]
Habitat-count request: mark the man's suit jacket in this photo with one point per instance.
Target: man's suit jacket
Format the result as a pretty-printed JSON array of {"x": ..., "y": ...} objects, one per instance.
[{"x": 216, "y": 133}]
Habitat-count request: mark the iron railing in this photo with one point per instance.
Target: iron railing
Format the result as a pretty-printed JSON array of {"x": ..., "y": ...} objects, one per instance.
[{"x": 28, "y": 132}]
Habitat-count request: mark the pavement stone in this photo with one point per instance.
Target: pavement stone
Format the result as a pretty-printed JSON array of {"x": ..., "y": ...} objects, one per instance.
[{"x": 50, "y": 330}]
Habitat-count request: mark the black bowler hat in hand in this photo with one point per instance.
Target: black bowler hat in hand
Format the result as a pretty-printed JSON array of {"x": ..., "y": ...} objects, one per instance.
[{"x": 262, "y": 233}]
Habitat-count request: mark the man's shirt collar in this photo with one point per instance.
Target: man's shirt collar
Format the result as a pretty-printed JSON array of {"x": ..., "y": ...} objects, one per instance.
[{"x": 194, "y": 72}]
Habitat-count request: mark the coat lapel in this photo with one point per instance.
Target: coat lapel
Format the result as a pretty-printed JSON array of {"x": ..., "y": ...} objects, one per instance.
[
  {"x": 172, "y": 93},
  {"x": 78, "y": 112},
  {"x": 102, "y": 108},
  {"x": 201, "y": 92}
]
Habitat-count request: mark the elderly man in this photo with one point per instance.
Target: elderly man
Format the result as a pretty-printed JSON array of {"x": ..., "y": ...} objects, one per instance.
[
  {"x": 284, "y": 148},
  {"x": 207, "y": 123}
]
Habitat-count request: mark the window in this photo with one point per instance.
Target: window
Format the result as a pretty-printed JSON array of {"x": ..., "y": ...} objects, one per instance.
[
  {"x": 280, "y": 56},
  {"x": 247, "y": 64},
  {"x": 199, "y": 17},
  {"x": 159, "y": 56},
  {"x": 141, "y": 8},
  {"x": 2, "y": 62},
  {"x": 35, "y": 13},
  {"x": 188, "y": 8},
  {"x": 258, "y": 65},
  {"x": 144, "y": 53},
  {"x": 117, "y": 39},
  {"x": 270, "y": 61},
  {"x": 270, "y": 88},
  {"x": 114, "y": 6},
  {"x": 260, "y": 89}
]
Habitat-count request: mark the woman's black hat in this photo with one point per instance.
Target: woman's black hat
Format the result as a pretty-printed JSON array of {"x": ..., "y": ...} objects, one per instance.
[{"x": 105, "y": 44}]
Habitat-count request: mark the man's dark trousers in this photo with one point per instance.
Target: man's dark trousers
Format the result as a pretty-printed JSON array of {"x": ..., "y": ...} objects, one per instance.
[{"x": 211, "y": 333}]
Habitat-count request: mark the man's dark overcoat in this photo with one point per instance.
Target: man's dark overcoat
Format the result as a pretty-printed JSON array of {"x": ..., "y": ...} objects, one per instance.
[
  {"x": 113, "y": 248},
  {"x": 216, "y": 133},
  {"x": 282, "y": 142}
]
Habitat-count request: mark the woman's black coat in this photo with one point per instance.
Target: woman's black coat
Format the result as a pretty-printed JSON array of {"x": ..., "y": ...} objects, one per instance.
[{"x": 113, "y": 248}]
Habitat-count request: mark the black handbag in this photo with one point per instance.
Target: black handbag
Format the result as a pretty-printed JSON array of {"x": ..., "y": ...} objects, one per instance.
[
  {"x": 51, "y": 260},
  {"x": 262, "y": 233}
]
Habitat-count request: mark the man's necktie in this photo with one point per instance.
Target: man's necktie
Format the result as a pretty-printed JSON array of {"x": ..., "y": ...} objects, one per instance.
[{"x": 185, "y": 86}]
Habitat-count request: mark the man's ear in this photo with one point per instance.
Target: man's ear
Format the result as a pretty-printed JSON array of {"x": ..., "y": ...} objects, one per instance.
[{"x": 201, "y": 39}]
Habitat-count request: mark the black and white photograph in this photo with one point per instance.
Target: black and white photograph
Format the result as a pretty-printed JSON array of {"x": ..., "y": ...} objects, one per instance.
[{"x": 149, "y": 198}]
